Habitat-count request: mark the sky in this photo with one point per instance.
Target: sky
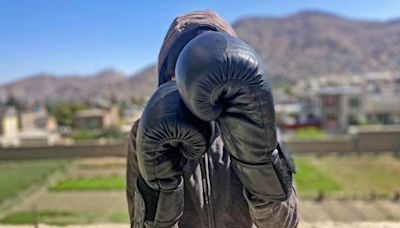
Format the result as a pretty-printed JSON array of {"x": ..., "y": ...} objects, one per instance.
[{"x": 86, "y": 36}]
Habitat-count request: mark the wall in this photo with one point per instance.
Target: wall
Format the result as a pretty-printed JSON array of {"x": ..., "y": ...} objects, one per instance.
[
  {"x": 89, "y": 149},
  {"x": 387, "y": 139}
]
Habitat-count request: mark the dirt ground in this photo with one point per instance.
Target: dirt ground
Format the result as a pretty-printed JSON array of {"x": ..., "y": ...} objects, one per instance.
[
  {"x": 351, "y": 225},
  {"x": 99, "y": 206},
  {"x": 88, "y": 207},
  {"x": 105, "y": 207},
  {"x": 349, "y": 210},
  {"x": 302, "y": 225}
]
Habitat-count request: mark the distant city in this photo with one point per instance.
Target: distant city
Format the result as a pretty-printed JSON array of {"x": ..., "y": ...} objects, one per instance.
[
  {"x": 335, "y": 103},
  {"x": 326, "y": 81},
  {"x": 38, "y": 124},
  {"x": 322, "y": 105}
]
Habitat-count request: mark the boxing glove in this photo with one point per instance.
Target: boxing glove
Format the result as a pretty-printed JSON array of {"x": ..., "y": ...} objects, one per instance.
[
  {"x": 220, "y": 78},
  {"x": 168, "y": 135}
]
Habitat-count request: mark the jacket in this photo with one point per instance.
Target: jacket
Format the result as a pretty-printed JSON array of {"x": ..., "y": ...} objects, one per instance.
[{"x": 213, "y": 194}]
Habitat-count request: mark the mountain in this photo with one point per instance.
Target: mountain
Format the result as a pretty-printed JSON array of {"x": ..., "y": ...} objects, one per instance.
[
  {"x": 306, "y": 44},
  {"x": 313, "y": 43},
  {"x": 104, "y": 84}
]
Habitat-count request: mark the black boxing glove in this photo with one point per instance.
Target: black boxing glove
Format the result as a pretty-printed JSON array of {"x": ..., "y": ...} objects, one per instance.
[
  {"x": 168, "y": 135},
  {"x": 220, "y": 78}
]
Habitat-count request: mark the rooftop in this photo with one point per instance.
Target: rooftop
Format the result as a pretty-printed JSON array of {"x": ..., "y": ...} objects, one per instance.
[
  {"x": 89, "y": 113},
  {"x": 338, "y": 90}
]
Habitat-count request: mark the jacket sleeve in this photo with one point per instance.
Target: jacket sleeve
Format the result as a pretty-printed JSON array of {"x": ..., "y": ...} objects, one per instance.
[
  {"x": 275, "y": 214},
  {"x": 131, "y": 170}
]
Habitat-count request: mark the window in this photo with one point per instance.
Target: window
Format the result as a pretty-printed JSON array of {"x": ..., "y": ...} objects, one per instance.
[
  {"x": 354, "y": 103},
  {"x": 331, "y": 121},
  {"x": 329, "y": 101},
  {"x": 353, "y": 120},
  {"x": 383, "y": 118}
]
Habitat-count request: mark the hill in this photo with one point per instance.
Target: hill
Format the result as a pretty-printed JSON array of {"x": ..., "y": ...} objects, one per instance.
[
  {"x": 105, "y": 84},
  {"x": 314, "y": 43},
  {"x": 308, "y": 43}
]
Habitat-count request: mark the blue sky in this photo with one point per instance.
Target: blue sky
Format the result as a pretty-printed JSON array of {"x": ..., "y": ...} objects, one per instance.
[{"x": 85, "y": 36}]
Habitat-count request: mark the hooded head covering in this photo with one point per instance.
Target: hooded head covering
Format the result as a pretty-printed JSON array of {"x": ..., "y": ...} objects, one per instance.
[{"x": 182, "y": 30}]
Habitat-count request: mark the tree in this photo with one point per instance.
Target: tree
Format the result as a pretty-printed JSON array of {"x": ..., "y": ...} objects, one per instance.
[
  {"x": 15, "y": 102},
  {"x": 64, "y": 112}
]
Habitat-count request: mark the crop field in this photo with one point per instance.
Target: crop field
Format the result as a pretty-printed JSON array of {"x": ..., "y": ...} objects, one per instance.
[
  {"x": 349, "y": 176},
  {"x": 339, "y": 188},
  {"x": 90, "y": 183},
  {"x": 18, "y": 176},
  {"x": 90, "y": 191}
]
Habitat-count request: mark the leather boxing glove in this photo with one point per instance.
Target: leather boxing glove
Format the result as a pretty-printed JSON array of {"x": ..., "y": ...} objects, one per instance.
[
  {"x": 168, "y": 135},
  {"x": 220, "y": 78}
]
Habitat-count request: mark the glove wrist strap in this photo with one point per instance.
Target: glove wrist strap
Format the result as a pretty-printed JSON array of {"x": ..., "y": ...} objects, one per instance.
[
  {"x": 161, "y": 208},
  {"x": 270, "y": 181}
]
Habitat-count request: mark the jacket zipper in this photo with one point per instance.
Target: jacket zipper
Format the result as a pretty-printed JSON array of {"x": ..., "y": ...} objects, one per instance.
[{"x": 207, "y": 190}]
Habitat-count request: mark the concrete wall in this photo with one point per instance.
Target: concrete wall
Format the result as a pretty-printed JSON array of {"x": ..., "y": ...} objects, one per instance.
[
  {"x": 343, "y": 145},
  {"x": 386, "y": 139},
  {"x": 373, "y": 141},
  {"x": 362, "y": 139},
  {"x": 89, "y": 149}
]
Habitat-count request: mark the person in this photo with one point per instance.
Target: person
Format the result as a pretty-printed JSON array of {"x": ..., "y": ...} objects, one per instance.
[{"x": 198, "y": 181}]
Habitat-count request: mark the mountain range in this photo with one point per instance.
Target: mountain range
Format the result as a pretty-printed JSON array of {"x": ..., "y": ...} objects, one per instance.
[{"x": 305, "y": 44}]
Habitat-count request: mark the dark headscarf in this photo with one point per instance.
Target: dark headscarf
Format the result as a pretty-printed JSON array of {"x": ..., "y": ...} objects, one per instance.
[{"x": 182, "y": 30}]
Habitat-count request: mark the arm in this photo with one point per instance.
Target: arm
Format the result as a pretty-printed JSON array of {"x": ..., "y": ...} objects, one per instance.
[
  {"x": 168, "y": 135},
  {"x": 221, "y": 78},
  {"x": 131, "y": 169},
  {"x": 276, "y": 214}
]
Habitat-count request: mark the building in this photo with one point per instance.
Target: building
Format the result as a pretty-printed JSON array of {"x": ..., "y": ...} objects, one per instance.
[
  {"x": 38, "y": 127},
  {"x": 381, "y": 109},
  {"x": 38, "y": 118},
  {"x": 96, "y": 119},
  {"x": 129, "y": 116},
  {"x": 9, "y": 128},
  {"x": 342, "y": 106}
]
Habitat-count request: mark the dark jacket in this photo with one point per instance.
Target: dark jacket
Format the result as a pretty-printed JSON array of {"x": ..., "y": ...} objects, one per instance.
[{"x": 213, "y": 193}]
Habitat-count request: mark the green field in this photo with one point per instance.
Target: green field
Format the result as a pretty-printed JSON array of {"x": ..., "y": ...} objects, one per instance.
[
  {"x": 311, "y": 179},
  {"x": 16, "y": 176},
  {"x": 349, "y": 176},
  {"x": 120, "y": 216},
  {"x": 92, "y": 190},
  {"x": 90, "y": 183},
  {"x": 43, "y": 216}
]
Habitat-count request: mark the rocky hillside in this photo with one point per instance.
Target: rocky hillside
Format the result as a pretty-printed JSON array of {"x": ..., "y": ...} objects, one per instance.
[
  {"x": 105, "y": 84},
  {"x": 314, "y": 43},
  {"x": 296, "y": 46}
]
